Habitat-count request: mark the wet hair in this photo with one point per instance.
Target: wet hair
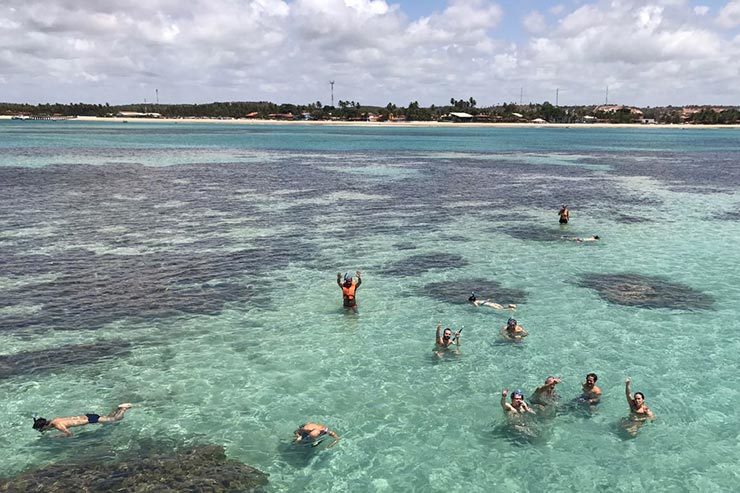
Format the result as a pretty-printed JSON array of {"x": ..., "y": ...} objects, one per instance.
[
  {"x": 596, "y": 237},
  {"x": 40, "y": 423},
  {"x": 472, "y": 297},
  {"x": 640, "y": 394},
  {"x": 511, "y": 321},
  {"x": 593, "y": 375}
]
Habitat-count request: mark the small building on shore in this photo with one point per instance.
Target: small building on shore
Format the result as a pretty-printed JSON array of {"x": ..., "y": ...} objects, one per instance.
[
  {"x": 458, "y": 116},
  {"x": 136, "y": 114}
]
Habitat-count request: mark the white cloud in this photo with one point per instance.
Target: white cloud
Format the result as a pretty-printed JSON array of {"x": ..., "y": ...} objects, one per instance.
[
  {"x": 701, "y": 10},
  {"x": 729, "y": 16},
  {"x": 534, "y": 22}
]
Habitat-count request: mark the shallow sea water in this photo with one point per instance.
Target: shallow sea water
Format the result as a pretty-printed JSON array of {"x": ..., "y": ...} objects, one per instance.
[{"x": 190, "y": 269}]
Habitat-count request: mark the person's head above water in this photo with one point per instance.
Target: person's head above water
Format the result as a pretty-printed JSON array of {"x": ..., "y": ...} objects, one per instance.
[
  {"x": 591, "y": 378},
  {"x": 347, "y": 279},
  {"x": 517, "y": 395},
  {"x": 511, "y": 322},
  {"x": 39, "y": 424},
  {"x": 447, "y": 333},
  {"x": 472, "y": 297},
  {"x": 596, "y": 237}
]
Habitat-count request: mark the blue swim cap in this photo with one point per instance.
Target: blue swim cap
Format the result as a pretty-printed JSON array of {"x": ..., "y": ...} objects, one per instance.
[
  {"x": 517, "y": 392},
  {"x": 347, "y": 276}
]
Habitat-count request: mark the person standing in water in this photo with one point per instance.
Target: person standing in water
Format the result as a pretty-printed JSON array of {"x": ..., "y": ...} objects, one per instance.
[
  {"x": 513, "y": 331},
  {"x": 63, "y": 424},
  {"x": 349, "y": 289},
  {"x": 545, "y": 395},
  {"x": 591, "y": 393},
  {"x": 639, "y": 412},
  {"x": 517, "y": 406},
  {"x": 564, "y": 214},
  {"x": 444, "y": 340}
]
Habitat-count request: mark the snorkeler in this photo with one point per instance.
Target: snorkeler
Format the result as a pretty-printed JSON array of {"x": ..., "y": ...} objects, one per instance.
[
  {"x": 546, "y": 395},
  {"x": 513, "y": 331},
  {"x": 639, "y": 412},
  {"x": 475, "y": 301},
  {"x": 349, "y": 288},
  {"x": 517, "y": 406},
  {"x": 444, "y": 340},
  {"x": 564, "y": 214},
  {"x": 312, "y": 433},
  {"x": 63, "y": 424},
  {"x": 591, "y": 393},
  {"x": 586, "y": 239}
]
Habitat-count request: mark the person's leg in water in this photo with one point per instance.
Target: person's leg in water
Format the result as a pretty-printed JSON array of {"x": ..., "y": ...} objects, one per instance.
[{"x": 116, "y": 414}]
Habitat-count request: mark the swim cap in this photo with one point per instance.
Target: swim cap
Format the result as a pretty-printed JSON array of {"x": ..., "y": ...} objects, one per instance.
[
  {"x": 347, "y": 276},
  {"x": 511, "y": 321},
  {"x": 518, "y": 392}
]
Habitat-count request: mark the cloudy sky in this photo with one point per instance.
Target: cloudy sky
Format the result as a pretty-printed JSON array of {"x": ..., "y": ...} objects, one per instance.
[{"x": 648, "y": 52}]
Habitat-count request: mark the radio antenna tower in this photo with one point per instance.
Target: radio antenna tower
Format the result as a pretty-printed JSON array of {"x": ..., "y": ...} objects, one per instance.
[
  {"x": 557, "y": 96},
  {"x": 606, "y": 98},
  {"x": 156, "y": 91},
  {"x": 521, "y": 96},
  {"x": 331, "y": 83}
]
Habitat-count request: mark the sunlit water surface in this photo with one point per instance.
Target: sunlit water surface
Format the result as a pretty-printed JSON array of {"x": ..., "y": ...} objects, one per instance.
[{"x": 190, "y": 269}]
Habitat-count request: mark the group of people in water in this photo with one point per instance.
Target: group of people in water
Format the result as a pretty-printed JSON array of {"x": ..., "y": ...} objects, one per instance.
[{"x": 543, "y": 398}]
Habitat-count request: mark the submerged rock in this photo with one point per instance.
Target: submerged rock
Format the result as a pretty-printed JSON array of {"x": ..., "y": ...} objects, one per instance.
[
  {"x": 529, "y": 232},
  {"x": 418, "y": 264},
  {"x": 645, "y": 291},
  {"x": 201, "y": 469},
  {"x": 61, "y": 358},
  {"x": 458, "y": 291}
]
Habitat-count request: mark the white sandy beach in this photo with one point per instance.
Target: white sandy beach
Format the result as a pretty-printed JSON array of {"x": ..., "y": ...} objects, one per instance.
[{"x": 245, "y": 121}]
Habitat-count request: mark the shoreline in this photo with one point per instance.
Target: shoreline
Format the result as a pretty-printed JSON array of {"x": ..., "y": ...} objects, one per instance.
[{"x": 419, "y": 124}]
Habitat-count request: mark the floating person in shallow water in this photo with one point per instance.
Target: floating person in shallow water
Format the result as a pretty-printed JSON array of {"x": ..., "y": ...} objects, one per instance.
[
  {"x": 591, "y": 393},
  {"x": 314, "y": 434},
  {"x": 349, "y": 289},
  {"x": 639, "y": 412},
  {"x": 545, "y": 395},
  {"x": 587, "y": 239},
  {"x": 517, "y": 406},
  {"x": 564, "y": 214},
  {"x": 512, "y": 331},
  {"x": 475, "y": 301},
  {"x": 445, "y": 341},
  {"x": 63, "y": 424}
]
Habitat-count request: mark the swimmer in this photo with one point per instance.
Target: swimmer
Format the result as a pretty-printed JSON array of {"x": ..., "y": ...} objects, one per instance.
[
  {"x": 564, "y": 214},
  {"x": 639, "y": 412},
  {"x": 517, "y": 406},
  {"x": 591, "y": 393},
  {"x": 546, "y": 395},
  {"x": 475, "y": 301},
  {"x": 312, "y": 433},
  {"x": 63, "y": 424},
  {"x": 444, "y": 340},
  {"x": 349, "y": 288},
  {"x": 513, "y": 331},
  {"x": 587, "y": 239}
]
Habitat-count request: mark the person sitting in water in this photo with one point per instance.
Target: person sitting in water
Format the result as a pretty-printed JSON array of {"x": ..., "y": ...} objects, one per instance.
[
  {"x": 546, "y": 395},
  {"x": 513, "y": 331},
  {"x": 591, "y": 393},
  {"x": 564, "y": 214},
  {"x": 349, "y": 289},
  {"x": 63, "y": 424},
  {"x": 517, "y": 406},
  {"x": 475, "y": 301},
  {"x": 312, "y": 433}
]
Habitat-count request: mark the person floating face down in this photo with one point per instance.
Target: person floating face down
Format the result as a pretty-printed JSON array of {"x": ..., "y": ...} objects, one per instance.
[
  {"x": 564, "y": 214},
  {"x": 314, "y": 434},
  {"x": 472, "y": 299},
  {"x": 63, "y": 424},
  {"x": 349, "y": 289}
]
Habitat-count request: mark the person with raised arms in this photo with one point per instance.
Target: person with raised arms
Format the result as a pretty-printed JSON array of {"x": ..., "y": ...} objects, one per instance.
[
  {"x": 349, "y": 289},
  {"x": 444, "y": 340},
  {"x": 517, "y": 405},
  {"x": 639, "y": 412}
]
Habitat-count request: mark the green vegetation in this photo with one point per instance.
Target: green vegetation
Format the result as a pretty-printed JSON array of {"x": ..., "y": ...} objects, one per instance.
[{"x": 354, "y": 111}]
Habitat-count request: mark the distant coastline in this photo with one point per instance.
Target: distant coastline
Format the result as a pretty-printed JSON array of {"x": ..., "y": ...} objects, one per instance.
[{"x": 415, "y": 124}]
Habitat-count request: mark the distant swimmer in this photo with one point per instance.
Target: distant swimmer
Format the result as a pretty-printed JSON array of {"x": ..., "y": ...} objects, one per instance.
[
  {"x": 639, "y": 412},
  {"x": 444, "y": 340},
  {"x": 314, "y": 434},
  {"x": 545, "y": 395},
  {"x": 475, "y": 301},
  {"x": 513, "y": 331},
  {"x": 517, "y": 405},
  {"x": 63, "y": 424},
  {"x": 586, "y": 239},
  {"x": 564, "y": 214},
  {"x": 591, "y": 393},
  {"x": 349, "y": 289}
]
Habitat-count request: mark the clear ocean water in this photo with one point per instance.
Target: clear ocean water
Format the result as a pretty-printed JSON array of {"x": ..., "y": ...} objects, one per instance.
[{"x": 190, "y": 269}]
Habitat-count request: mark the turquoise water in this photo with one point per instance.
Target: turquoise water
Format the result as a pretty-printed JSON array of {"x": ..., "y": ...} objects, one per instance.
[{"x": 196, "y": 266}]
